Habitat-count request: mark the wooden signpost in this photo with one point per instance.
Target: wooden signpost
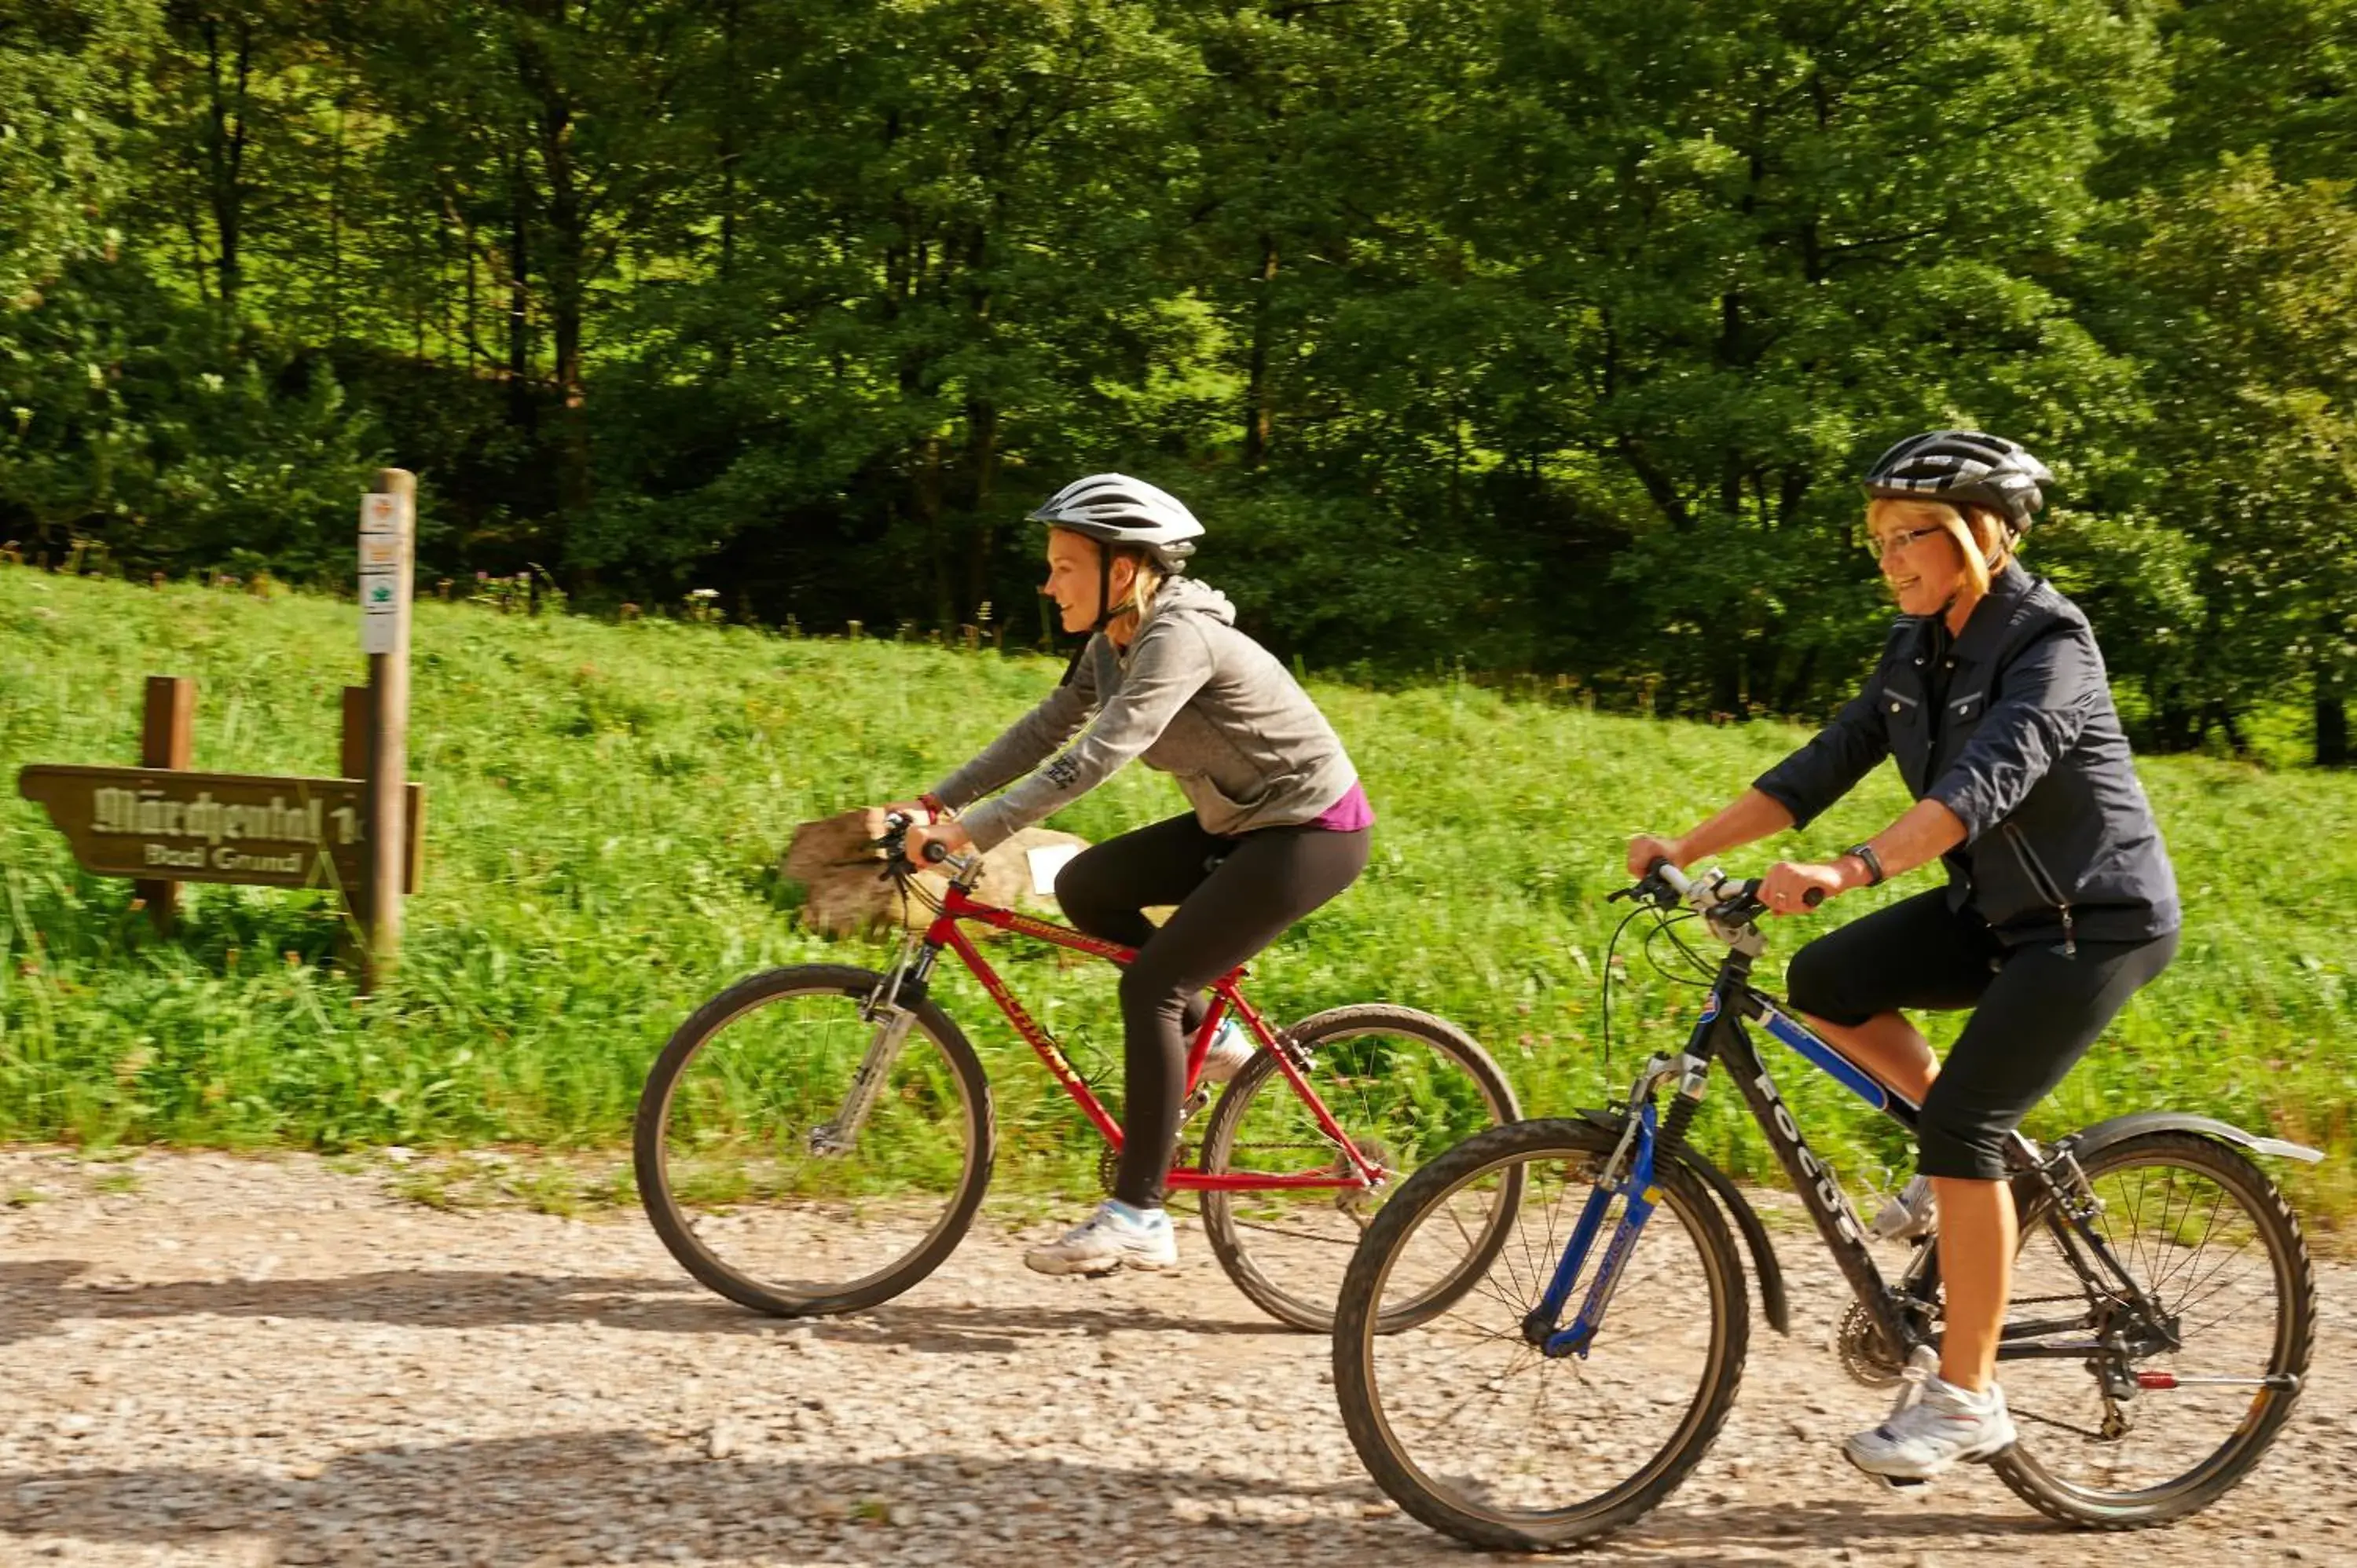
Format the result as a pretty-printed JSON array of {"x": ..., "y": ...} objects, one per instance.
[{"x": 163, "y": 824}]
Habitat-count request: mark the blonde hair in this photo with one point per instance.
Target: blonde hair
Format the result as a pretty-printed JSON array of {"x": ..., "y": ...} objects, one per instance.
[
  {"x": 1145, "y": 581},
  {"x": 1967, "y": 528},
  {"x": 1143, "y": 584}
]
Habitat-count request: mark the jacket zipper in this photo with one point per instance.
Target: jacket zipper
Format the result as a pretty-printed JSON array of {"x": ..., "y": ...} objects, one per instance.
[{"x": 2046, "y": 887}]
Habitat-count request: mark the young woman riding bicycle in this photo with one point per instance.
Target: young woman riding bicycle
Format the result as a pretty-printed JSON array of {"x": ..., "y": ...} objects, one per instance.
[
  {"x": 1991, "y": 697},
  {"x": 1280, "y": 823}
]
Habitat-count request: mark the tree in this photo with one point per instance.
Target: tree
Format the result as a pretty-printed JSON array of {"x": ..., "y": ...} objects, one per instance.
[{"x": 59, "y": 63}]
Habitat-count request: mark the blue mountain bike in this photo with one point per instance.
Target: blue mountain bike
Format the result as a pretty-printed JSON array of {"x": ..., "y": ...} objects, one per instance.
[{"x": 2162, "y": 1317}]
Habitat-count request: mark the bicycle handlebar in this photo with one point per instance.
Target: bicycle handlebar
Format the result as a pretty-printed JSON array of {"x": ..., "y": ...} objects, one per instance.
[
  {"x": 893, "y": 844},
  {"x": 1730, "y": 892}
]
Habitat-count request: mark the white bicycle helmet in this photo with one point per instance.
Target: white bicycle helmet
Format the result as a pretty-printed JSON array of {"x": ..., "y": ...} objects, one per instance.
[{"x": 1114, "y": 508}]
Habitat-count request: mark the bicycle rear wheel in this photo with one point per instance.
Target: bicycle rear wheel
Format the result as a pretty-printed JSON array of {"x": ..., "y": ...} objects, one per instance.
[
  {"x": 752, "y": 1177},
  {"x": 2206, "y": 1234},
  {"x": 1474, "y": 1430},
  {"x": 1402, "y": 1086}
]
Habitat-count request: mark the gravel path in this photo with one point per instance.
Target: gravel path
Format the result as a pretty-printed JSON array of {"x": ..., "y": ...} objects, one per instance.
[{"x": 214, "y": 1361}]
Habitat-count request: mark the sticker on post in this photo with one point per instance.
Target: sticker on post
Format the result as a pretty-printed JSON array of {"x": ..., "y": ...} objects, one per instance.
[
  {"x": 381, "y": 610},
  {"x": 382, "y": 513}
]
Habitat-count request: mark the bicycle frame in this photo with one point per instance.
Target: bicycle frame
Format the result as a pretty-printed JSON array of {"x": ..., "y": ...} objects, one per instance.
[
  {"x": 946, "y": 932},
  {"x": 1902, "y": 1315}
]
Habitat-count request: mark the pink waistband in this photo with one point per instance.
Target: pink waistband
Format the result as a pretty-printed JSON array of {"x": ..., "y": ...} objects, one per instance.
[{"x": 1349, "y": 815}]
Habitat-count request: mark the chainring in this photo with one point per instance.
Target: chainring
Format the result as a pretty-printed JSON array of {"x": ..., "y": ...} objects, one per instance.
[
  {"x": 1863, "y": 1356},
  {"x": 1109, "y": 1162}
]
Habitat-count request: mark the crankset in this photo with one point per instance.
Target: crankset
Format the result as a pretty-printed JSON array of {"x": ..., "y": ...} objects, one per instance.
[{"x": 1863, "y": 1354}]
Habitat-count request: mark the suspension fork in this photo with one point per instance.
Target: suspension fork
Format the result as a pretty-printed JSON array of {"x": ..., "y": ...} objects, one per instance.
[
  {"x": 892, "y": 1008},
  {"x": 1646, "y": 1140}
]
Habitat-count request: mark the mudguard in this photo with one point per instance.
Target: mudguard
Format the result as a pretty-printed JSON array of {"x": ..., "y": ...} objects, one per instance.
[
  {"x": 2087, "y": 1140},
  {"x": 1738, "y": 1207}
]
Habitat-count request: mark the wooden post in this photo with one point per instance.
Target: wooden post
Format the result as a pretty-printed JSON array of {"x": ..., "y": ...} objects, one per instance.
[
  {"x": 166, "y": 739},
  {"x": 352, "y": 760},
  {"x": 384, "y": 622}
]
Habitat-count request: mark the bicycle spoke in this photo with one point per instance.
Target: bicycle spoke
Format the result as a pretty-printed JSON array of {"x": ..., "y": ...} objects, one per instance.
[
  {"x": 2195, "y": 1228},
  {"x": 752, "y": 1150},
  {"x": 1484, "y": 1416},
  {"x": 1400, "y": 1086}
]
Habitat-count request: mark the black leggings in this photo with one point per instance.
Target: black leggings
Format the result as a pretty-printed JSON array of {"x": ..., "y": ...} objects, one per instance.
[
  {"x": 2035, "y": 1012},
  {"x": 1236, "y": 896}
]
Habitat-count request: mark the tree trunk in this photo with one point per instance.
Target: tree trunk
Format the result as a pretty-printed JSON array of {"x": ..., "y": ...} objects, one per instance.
[
  {"x": 225, "y": 152},
  {"x": 566, "y": 270},
  {"x": 522, "y": 409},
  {"x": 982, "y": 461},
  {"x": 1260, "y": 404},
  {"x": 729, "y": 154},
  {"x": 2332, "y": 719}
]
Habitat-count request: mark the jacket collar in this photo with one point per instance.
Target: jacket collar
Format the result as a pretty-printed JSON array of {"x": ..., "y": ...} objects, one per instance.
[{"x": 1994, "y": 617}]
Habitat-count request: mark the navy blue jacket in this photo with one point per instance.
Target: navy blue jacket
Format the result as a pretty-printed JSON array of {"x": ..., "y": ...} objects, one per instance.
[{"x": 2028, "y": 752}]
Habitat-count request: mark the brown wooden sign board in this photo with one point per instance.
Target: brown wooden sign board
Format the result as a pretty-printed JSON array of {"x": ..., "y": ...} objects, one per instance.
[{"x": 159, "y": 822}]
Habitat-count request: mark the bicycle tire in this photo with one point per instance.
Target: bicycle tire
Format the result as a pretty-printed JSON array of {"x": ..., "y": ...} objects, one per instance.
[
  {"x": 1478, "y": 1519},
  {"x": 1307, "y": 1305},
  {"x": 670, "y": 1218},
  {"x": 2277, "y": 1227}
]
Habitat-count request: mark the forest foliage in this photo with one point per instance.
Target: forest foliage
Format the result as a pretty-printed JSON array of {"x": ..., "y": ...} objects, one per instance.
[{"x": 1496, "y": 334}]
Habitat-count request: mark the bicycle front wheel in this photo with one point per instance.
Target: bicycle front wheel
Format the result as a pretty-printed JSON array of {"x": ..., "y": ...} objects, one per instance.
[
  {"x": 782, "y": 1180},
  {"x": 1472, "y": 1428},
  {"x": 2204, "y": 1233},
  {"x": 1402, "y": 1086}
]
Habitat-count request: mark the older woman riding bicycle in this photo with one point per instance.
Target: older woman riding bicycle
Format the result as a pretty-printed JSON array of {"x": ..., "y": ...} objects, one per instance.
[{"x": 1991, "y": 697}]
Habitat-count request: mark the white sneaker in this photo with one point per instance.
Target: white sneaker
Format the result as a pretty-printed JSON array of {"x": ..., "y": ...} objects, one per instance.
[
  {"x": 1908, "y": 1215},
  {"x": 1115, "y": 1236},
  {"x": 1923, "y": 1436},
  {"x": 1229, "y": 1050}
]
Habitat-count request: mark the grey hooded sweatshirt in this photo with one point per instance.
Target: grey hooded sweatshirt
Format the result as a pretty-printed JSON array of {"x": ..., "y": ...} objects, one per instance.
[{"x": 1192, "y": 696}]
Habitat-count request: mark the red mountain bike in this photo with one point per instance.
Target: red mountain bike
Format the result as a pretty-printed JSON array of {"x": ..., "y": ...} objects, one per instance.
[{"x": 817, "y": 1139}]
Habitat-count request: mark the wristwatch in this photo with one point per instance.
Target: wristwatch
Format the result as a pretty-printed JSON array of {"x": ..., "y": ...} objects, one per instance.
[{"x": 1869, "y": 859}]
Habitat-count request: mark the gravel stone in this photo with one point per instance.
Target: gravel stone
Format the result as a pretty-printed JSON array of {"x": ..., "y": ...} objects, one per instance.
[{"x": 258, "y": 1361}]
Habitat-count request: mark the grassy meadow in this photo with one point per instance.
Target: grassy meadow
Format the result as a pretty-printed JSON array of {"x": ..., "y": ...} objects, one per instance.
[{"x": 607, "y": 805}]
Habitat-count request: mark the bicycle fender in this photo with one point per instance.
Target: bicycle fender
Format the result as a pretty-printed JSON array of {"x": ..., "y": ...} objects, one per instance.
[
  {"x": 2104, "y": 1134},
  {"x": 1773, "y": 1301}
]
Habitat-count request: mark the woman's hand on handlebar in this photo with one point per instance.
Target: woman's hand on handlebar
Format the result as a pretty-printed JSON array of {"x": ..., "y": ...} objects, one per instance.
[
  {"x": 1786, "y": 889},
  {"x": 949, "y": 832},
  {"x": 915, "y": 811},
  {"x": 1645, "y": 849}
]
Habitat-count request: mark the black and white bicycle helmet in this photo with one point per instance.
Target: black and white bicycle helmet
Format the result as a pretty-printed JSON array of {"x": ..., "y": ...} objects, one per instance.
[
  {"x": 1114, "y": 508},
  {"x": 1962, "y": 468}
]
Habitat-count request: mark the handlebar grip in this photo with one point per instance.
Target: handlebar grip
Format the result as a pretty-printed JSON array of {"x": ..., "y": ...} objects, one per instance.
[
  {"x": 1813, "y": 896},
  {"x": 936, "y": 852}
]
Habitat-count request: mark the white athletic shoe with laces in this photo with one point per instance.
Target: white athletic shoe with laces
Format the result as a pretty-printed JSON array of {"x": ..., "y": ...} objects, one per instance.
[
  {"x": 1931, "y": 1429},
  {"x": 1229, "y": 1050},
  {"x": 1116, "y": 1236}
]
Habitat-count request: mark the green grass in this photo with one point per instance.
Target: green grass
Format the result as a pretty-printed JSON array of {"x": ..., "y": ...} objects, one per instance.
[{"x": 607, "y": 804}]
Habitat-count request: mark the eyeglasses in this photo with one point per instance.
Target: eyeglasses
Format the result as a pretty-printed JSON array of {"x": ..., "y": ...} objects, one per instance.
[{"x": 1881, "y": 547}]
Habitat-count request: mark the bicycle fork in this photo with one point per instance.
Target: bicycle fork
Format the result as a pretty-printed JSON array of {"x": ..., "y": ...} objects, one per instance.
[
  {"x": 893, "y": 1010},
  {"x": 1627, "y": 1175}
]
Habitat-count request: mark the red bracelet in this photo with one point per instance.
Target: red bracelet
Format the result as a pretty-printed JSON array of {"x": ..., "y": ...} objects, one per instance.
[{"x": 933, "y": 803}]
